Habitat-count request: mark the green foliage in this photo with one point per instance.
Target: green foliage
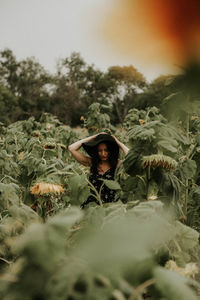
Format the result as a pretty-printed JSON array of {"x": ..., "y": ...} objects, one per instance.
[
  {"x": 112, "y": 185},
  {"x": 78, "y": 189},
  {"x": 187, "y": 248},
  {"x": 33, "y": 152},
  {"x": 15, "y": 217},
  {"x": 194, "y": 208},
  {"x": 159, "y": 135},
  {"x": 173, "y": 286},
  {"x": 9, "y": 195},
  {"x": 188, "y": 168},
  {"x": 95, "y": 255},
  {"x": 76, "y": 86},
  {"x": 49, "y": 248},
  {"x": 8, "y": 166},
  {"x": 96, "y": 119},
  {"x": 133, "y": 162},
  {"x": 8, "y": 104},
  {"x": 128, "y": 74},
  {"x": 154, "y": 94},
  {"x": 126, "y": 82},
  {"x": 153, "y": 157},
  {"x": 25, "y": 87}
]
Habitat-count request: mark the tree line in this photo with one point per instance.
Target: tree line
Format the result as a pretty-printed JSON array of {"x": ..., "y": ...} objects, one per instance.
[{"x": 27, "y": 89}]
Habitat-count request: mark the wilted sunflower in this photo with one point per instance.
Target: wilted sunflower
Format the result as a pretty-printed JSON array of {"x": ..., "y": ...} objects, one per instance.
[
  {"x": 21, "y": 155},
  {"x": 42, "y": 188},
  {"x": 92, "y": 128},
  {"x": 141, "y": 121},
  {"x": 159, "y": 160},
  {"x": 49, "y": 126},
  {"x": 190, "y": 270},
  {"x": 49, "y": 145},
  {"x": 36, "y": 133}
]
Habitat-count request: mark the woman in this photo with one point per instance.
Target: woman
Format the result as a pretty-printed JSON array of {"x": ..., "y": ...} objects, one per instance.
[{"x": 103, "y": 159}]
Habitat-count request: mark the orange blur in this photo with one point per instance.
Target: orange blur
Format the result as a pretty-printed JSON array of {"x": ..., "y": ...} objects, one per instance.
[
  {"x": 178, "y": 21},
  {"x": 155, "y": 32}
]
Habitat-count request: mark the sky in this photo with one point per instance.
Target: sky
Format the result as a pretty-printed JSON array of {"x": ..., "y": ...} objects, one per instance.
[{"x": 53, "y": 29}]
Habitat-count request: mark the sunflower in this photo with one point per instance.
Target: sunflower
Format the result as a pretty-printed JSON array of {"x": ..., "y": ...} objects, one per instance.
[
  {"x": 190, "y": 270},
  {"x": 42, "y": 188},
  {"x": 141, "y": 121},
  {"x": 159, "y": 160},
  {"x": 21, "y": 155},
  {"x": 51, "y": 146}
]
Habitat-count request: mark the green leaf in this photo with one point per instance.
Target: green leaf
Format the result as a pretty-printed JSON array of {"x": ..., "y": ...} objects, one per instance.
[
  {"x": 173, "y": 286},
  {"x": 189, "y": 237},
  {"x": 132, "y": 163},
  {"x": 166, "y": 145},
  {"x": 112, "y": 184},
  {"x": 9, "y": 195},
  {"x": 188, "y": 168},
  {"x": 141, "y": 132},
  {"x": 152, "y": 189},
  {"x": 78, "y": 188},
  {"x": 48, "y": 154}
]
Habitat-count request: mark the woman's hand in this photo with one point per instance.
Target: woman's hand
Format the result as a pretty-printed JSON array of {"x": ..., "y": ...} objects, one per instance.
[
  {"x": 121, "y": 145},
  {"x": 116, "y": 140},
  {"x": 80, "y": 157}
]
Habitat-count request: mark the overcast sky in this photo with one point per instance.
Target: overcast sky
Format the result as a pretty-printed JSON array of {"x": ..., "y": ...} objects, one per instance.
[{"x": 50, "y": 29}]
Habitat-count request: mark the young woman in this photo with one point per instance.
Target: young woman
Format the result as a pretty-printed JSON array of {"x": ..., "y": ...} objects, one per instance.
[{"x": 103, "y": 159}]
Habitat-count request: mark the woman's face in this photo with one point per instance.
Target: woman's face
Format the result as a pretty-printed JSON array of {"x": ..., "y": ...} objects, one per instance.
[{"x": 103, "y": 151}]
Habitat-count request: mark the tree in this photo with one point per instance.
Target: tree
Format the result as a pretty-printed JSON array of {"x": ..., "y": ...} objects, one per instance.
[
  {"x": 77, "y": 86},
  {"x": 33, "y": 92},
  {"x": 155, "y": 93},
  {"x": 126, "y": 83},
  {"x": 98, "y": 87},
  {"x": 9, "y": 70},
  {"x": 8, "y": 105},
  {"x": 27, "y": 81},
  {"x": 66, "y": 101}
]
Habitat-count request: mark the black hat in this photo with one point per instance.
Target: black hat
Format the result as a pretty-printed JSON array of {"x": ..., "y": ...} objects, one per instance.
[{"x": 90, "y": 147}]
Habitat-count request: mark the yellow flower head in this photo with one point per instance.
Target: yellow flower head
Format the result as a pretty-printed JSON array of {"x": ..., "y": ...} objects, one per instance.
[{"x": 42, "y": 188}]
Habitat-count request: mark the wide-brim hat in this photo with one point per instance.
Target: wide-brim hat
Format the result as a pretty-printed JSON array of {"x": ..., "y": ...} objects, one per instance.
[{"x": 91, "y": 147}]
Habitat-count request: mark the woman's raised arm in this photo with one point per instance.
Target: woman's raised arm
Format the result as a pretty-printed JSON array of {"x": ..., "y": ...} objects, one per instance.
[
  {"x": 123, "y": 147},
  {"x": 74, "y": 150}
]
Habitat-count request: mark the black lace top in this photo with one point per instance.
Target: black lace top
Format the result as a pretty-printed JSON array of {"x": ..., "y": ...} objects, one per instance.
[{"x": 107, "y": 195}]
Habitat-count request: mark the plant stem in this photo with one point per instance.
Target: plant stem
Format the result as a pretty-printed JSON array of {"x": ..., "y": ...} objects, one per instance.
[
  {"x": 5, "y": 260},
  {"x": 186, "y": 180},
  {"x": 148, "y": 174},
  {"x": 141, "y": 288},
  {"x": 97, "y": 195},
  {"x": 186, "y": 195}
]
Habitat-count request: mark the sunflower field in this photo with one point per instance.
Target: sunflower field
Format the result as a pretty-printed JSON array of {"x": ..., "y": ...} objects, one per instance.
[{"x": 143, "y": 246}]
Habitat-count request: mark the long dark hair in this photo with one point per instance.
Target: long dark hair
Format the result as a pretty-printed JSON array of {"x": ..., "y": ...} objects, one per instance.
[{"x": 112, "y": 158}]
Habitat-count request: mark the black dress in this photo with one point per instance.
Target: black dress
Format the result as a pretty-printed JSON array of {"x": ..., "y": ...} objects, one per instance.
[{"x": 107, "y": 195}]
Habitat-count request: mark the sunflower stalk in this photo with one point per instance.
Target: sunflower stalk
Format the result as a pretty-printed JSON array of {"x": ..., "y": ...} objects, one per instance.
[
  {"x": 148, "y": 175},
  {"x": 140, "y": 289},
  {"x": 97, "y": 195},
  {"x": 186, "y": 180}
]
